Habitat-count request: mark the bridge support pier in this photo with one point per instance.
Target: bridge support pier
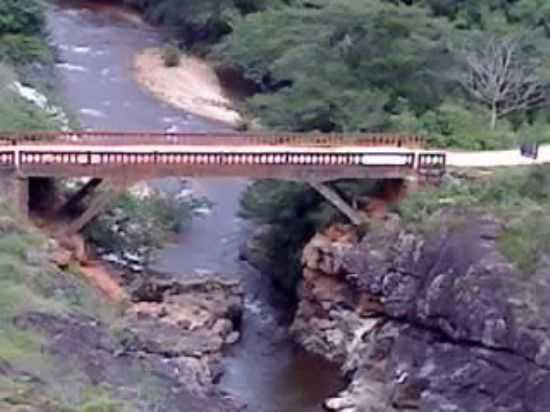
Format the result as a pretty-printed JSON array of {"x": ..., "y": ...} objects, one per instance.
[
  {"x": 14, "y": 191},
  {"x": 338, "y": 202},
  {"x": 20, "y": 199}
]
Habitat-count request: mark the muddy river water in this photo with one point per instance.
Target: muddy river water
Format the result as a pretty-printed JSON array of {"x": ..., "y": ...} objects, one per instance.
[{"x": 97, "y": 44}]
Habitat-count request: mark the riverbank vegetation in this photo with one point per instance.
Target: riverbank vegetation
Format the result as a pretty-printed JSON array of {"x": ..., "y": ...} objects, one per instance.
[
  {"x": 23, "y": 32},
  {"x": 140, "y": 221},
  {"x": 22, "y": 44}
]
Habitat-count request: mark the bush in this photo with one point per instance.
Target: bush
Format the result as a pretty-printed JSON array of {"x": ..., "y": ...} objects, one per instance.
[
  {"x": 451, "y": 125},
  {"x": 171, "y": 56},
  {"x": 525, "y": 240},
  {"x": 22, "y": 17},
  {"x": 134, "y": 223},
  {"x": 21, "y": 49},
  {"x": 504, "y": 192},
  {"x": 20, "y": 115}
]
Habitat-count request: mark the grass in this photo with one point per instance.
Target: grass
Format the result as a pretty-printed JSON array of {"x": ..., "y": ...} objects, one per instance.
[
  {"x": 96, "y": 400},
  {"x": 504, "y": 190},
  {"x": 15, "y": 112},
  {"x": 28, "y": 282},
  {"x": 171, "y": 55},
  {"x": 526, "y": 240}
]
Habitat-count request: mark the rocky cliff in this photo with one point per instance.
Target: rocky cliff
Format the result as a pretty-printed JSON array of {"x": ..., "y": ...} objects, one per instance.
[{"x": 436, "y": 319}]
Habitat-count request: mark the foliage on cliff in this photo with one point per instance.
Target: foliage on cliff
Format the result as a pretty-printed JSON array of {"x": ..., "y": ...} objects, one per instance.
[
  {"x": 15, "y": 112},
  {"x": 22, "y": 42},
  {"x": 521, "y": 197},
  {"x": 29, "y": 375},
  {"x": 22, "y": 31}
]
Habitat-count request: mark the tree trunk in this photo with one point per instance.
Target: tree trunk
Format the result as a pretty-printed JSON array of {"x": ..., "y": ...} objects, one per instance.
[{"x": 494, "y": 116}]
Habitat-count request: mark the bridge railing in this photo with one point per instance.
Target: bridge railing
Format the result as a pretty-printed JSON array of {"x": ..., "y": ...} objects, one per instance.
[
  {"x": 191, "y": 139},
  {"x": 432, "y": 160},
  {"x": 101, "y": 159},
  {"x": 7, "y": 159},
  {"x": 432, "y": 163}
]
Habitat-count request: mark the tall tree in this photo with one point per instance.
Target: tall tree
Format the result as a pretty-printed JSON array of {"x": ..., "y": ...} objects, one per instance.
[{"x": 501, "y": 75}]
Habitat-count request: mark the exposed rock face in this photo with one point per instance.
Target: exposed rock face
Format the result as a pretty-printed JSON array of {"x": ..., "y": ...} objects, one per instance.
[
  {"x": 88, "y": 346},
  {"x": 438, "y": 322},
  {"x": 188, "y": 324},
  {"x": 171, "y": 338}
]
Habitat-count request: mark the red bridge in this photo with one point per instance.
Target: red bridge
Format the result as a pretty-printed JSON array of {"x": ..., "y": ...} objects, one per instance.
[
  {"x": 124, "y": 158},
  {"x": 286, "y": 156}
]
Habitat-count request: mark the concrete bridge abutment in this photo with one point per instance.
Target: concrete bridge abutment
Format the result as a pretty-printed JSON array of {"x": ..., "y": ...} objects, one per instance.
[{"x": 14, "y": 191}]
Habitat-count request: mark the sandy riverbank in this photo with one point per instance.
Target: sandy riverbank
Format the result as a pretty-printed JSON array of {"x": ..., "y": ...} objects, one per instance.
[{"x": 192, "y": 86}]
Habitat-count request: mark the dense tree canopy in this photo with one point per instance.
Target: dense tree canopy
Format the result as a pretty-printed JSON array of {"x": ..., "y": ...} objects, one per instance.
[
  {"x": 21, "y": 17},
  {"x": 22, "y": 27},
  {"x": 329, "y": 69},
  {"x": 370, "y": 65}
]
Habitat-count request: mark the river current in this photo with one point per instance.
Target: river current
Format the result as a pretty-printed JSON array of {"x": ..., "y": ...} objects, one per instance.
[{"x": 97, "y": 43}]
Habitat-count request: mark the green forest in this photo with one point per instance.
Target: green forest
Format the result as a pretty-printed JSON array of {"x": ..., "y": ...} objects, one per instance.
[{"x": 465, "y": 73}]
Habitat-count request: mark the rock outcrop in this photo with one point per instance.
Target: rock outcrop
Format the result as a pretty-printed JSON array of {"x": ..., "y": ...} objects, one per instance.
[
  {"x": 187, "y": 323},
  {"x": 116, "y": 361},
  {"x": 433, "y": 320}
]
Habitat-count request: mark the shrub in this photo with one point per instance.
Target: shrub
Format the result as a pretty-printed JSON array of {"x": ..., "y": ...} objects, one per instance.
[
  {"x": 525, "y": 240},
  {"x": 451, "y": 125},
  {"x": 134, "y": 223},
  {"x": 171, "y": 56},
  {"x": 22, "y": 16},
  {"x": 21, "y": 49},
  {"x": 502, "y": 193},
  {"x": 16, "y": 113},
  {"x": 20, "y": 115}
]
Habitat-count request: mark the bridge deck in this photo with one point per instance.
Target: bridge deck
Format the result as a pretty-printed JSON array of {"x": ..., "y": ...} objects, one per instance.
[
  {"x": 211, "y": 139},
  {"x": 213, "y": 155}
]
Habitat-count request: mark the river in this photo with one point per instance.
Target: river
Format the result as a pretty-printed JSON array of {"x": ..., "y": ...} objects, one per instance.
[{"x": 97, "y": 43}]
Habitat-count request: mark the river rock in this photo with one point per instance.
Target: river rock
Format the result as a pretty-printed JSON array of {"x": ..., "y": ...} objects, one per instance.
[
  {"x": 232, "y": 338},
  {"x": 121, "y": 363},
  {"x": 439, "y": 321},
  {"x": 190, "y": 323},
  {"x": 8, "y": 225},
  {"x": 62, "y": 258}
]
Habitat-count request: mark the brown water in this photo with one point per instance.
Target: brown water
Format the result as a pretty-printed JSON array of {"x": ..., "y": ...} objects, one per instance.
[{"x": 97, "y": 43}]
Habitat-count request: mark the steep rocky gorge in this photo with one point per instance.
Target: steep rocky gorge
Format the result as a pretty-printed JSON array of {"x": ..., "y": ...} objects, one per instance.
[{"x": 430, "y": 318}]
